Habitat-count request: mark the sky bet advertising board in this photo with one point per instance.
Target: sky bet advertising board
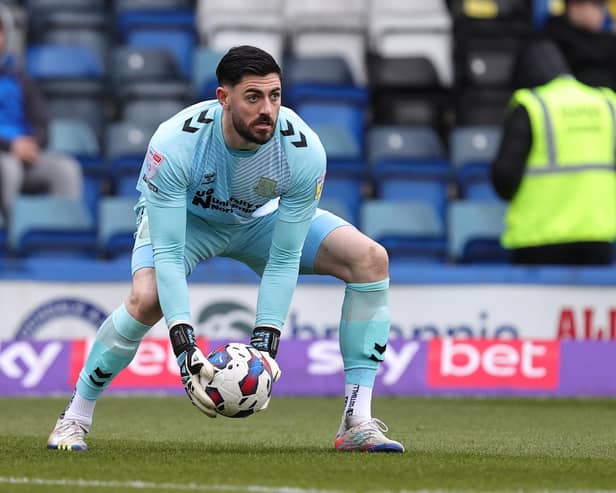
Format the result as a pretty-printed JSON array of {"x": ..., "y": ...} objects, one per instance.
[{"x": 445, "y": 340}]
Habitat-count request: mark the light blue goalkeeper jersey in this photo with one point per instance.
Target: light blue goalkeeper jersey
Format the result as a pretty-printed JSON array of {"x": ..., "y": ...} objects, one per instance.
[{"x": 188, "y": 169}]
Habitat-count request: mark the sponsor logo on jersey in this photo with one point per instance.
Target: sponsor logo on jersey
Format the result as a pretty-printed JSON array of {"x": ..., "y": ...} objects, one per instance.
[
  {"x": 153, "y": 162},
  {"x": 319, "y": 191},
  {"x": 209, "y": 178},
  {"x": 266, "y": 187}
]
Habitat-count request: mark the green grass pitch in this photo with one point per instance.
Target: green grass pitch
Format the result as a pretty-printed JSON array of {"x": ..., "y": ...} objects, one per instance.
[{"x": 158, "y": 444}]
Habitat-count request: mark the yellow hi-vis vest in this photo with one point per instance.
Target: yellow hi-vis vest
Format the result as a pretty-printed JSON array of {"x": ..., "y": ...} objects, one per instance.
[{"x": 568, "y": 191}]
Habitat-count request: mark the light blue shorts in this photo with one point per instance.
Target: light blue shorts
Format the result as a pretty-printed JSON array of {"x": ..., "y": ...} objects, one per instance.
[{"x": 248, "y": 243}]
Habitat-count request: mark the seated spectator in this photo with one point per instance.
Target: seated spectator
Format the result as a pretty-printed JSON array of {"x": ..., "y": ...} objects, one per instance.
[
  {"x": 24, "y": 166},
  {"x": 589, "y": 50},
  {"x": 556, "y": 166}
]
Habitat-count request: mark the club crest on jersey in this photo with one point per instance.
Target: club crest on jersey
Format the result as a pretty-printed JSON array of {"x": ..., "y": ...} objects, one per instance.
[
  {"x": 266, "y": 187},
  {"x": 319, "y": 191},
  {"x": 153, "y": 161}
]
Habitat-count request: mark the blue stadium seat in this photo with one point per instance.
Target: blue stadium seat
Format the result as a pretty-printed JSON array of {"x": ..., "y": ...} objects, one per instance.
[
  {"x": 338, "y": 207},
  {"x": 348, "y": 191},
  {"x": 409, "y": 163},
  {"x": 344, "y": 155},
  {"x": 89, "y": 110},
  {"x": 180, "y": 43},
  {"x": 333, "y": 114},
  {"x": 47, "y": 225},
  {"x": 472, "y": 151},
  {"x": 132, "y": 15},
  {"x": 474, "y": 230},
  {"x": 75, "y": 137},
  {"x": 145, "y": 113},
  {"x": 66, "y": 70},
  {"x": 321, "y": 79},
  {"x": 409, "y": 229},
  {"x": 204, "y": 82},
  {"x": 116, "y": 226}
]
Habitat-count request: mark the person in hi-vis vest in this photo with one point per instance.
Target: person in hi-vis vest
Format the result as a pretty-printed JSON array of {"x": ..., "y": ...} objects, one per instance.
[{"x": 556, "y": 165}]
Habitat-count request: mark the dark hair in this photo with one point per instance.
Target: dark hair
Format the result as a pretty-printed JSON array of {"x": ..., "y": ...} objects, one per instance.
[{"x": 245, "y": 60}]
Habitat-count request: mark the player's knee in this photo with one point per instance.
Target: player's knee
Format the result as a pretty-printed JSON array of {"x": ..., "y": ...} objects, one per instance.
[
  {"x": 373, "y": 264},
  {"x": 142, "y": 303}
]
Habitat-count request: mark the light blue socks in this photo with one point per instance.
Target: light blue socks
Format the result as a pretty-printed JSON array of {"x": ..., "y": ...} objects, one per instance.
[
  {"x": 115, "y": 346},
  {"x": 364, "y": 329}
]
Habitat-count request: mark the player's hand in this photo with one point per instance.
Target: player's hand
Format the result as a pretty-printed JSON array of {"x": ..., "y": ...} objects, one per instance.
[
  {"x": 196, "y": 371},
  {"x": 266, "y": 339},
  {"x": 274, "y": 368}
]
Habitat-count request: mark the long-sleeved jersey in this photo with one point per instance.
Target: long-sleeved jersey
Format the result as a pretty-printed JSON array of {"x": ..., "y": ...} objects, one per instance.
[{"x": 189, "y": 169}]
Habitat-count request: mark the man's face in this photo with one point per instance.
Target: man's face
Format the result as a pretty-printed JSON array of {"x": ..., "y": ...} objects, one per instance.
[
  {"x": 254, "y": 104},
  {"x": 587, "y": 14},
  {"x": 2, "y": 41}
]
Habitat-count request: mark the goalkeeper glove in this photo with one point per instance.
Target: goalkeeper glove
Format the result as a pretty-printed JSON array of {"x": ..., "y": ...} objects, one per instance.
[
  {"x": 266, "y": 339},
  {"x": 196, "y": 371}
]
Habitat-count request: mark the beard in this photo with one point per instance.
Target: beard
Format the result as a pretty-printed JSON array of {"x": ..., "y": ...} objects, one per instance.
[{"x": 256, "y": 137}]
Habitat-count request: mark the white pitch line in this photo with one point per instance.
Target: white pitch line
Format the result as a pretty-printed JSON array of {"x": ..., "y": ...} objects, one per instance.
[{"x": 140, "y": 485}]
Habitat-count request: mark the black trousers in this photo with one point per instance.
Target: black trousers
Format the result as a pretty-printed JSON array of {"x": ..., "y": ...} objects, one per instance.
[{"x": 580, "y": 253}]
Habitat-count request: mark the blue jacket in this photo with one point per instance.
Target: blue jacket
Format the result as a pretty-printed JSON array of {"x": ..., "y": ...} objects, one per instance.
[{"x": 22, "y": 108}]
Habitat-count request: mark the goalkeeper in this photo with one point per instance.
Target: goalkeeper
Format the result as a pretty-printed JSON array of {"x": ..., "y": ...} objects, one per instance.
[{"x": 240, "y": 177}]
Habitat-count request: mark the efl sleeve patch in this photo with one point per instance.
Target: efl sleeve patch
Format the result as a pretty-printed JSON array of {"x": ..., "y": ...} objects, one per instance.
[
  {"x": 154, "y": 160},
  {"x": 319, "y": 190}
]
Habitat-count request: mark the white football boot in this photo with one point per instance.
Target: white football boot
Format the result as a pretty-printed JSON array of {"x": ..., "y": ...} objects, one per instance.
[
  {"x": 367, "y": 437},
  {"x": 67, "y": 435}
]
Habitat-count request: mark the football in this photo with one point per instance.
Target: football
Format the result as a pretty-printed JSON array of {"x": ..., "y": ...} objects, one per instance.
[{"x": 242, "y": 384}]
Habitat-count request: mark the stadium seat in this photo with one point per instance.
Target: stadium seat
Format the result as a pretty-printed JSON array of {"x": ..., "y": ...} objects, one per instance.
[
  {"x": 146, "y": 73},
  {"x": 342, "y": 115},
  {"x": 489, "y": 62},
  {"x": 344, "y": 154},
  {"x": 127, "y": 144},
  {"x": 407, "y": 91},
  {"x": 409, "y": 229},
  {"x": 325, "y": 28},
  {"x": 116, "y": 226},
  {"x": 97, "y": 40},
  {"x": 472, "y": 151},
  {"x": 481, "y": 106},
  {"x": 337, "y": 207},
  {"x": 474, "y": 230},
  {"x": 204, "y": 82},
  {"x": 321, "y": 79},
  {"x": 131, "y": 15},
  {"x": 409, "y": 163},
  {"x": 148, "y": 114},
  {"x": 271, "y": 40},
  {"x": 75, "y": 137},
  {"x": 241, "y": 17},
  {"x": 346, "y": 190},
  {"x": 66, "y": 70},
  {"x": 47, "y": 225},
  {"x": 89, "y": 110},
  {"x": 412, "y": 29},
  {"x": 180, "y": 43}
]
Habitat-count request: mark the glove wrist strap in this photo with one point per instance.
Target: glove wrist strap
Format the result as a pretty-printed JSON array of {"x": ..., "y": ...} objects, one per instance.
[
  {"x": 266, "y": 339},
  {"x": 182, "y": 338}
]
